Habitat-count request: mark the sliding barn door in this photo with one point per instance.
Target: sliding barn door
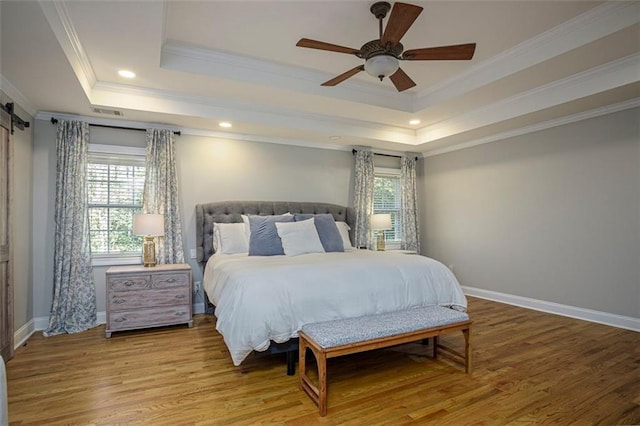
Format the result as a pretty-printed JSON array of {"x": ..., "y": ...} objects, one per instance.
[{"x": 6, "y": 284}]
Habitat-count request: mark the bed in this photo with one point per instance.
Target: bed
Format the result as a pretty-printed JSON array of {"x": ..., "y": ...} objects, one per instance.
[{"x": 262, "y": 301}]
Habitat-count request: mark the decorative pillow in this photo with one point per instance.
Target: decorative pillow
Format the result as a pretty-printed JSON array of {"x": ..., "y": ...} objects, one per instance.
[
  {"x": 264, "y": 239},
  {"x": 229, "y": 238},
  {"x": 327, "y": 230},
  {"x": 344, "y": 229},
  {"x": 299, "y": 237},
  {"x": 245, "y": 220}
]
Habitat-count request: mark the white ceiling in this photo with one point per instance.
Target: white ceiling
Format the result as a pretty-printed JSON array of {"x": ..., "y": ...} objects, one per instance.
[{"x": 536, "y": 64}]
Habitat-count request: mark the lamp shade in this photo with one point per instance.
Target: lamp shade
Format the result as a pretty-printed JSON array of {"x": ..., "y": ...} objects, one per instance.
[
  {"x": 380, "y": 221},
  {"x": 148, "y": 224},
  {"x": 381, "y": 66}
]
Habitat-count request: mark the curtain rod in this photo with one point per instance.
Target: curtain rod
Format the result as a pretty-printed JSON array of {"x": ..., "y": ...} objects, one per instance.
[
  {"x": 353, "y": 151},
  {"x": 138, "y": 129}
]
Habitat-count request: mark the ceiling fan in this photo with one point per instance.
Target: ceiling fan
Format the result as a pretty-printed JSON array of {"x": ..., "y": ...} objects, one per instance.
[{"x": 382, "y": 56}]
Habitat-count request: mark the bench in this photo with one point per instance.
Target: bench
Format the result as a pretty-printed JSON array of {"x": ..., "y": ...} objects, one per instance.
[{"x": 335, "y": 338}]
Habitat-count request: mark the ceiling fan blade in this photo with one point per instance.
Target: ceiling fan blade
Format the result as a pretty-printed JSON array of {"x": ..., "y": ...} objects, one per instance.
[
  {"x": 321, "y": 45},
  {"x": 401, "y": 80},
  {"x": 402, "y": 16},
  {"x": 342, "y": 77},
  {"x": 458, "y": 52}
]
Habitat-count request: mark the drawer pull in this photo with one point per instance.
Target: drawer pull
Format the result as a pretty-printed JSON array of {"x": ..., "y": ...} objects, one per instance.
[
  {"x": 179, "y": 314},
  {"x": 180, "y": 296},
  {"x": 171, "y": 280},
  {"x": 119, "y": 301},
  {"x": 120, "y": 319},
  {"x": 128, "y": 283}
]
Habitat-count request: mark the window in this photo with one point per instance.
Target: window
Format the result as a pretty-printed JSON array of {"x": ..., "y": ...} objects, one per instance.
[
  {"x": 115, "y": 180},
  {"x": 387, "y": 199}
]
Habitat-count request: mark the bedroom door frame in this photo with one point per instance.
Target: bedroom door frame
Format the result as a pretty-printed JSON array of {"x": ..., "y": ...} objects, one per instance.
[{"x": 6, "y": 250}]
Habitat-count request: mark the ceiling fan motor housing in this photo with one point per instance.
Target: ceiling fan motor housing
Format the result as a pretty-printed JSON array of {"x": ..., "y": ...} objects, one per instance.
[{"x": 374, "y": 48}]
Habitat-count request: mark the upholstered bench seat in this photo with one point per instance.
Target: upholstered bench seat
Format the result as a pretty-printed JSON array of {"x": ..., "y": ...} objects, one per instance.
[{"x": 330, "y": 339}]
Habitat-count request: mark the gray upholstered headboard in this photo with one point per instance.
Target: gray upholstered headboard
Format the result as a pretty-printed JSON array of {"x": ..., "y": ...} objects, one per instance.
[{"x": 231, "y": 211}]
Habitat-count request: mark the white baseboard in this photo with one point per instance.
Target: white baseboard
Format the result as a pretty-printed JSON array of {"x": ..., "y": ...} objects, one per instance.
[
  {"x": 23, "y": 333},
  {"x": 614, "y": 320},
  {"x": 41, "y": 323}
]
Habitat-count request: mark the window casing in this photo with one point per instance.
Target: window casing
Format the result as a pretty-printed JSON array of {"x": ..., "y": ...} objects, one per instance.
[
  {"x": 387, "y": 196},
  {"x": 115, "y": 182}
]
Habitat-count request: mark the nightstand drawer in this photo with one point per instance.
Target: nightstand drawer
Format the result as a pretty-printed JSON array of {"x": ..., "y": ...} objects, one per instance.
[
  {"x": 129, "y": 282},
  {"x": 150, "y": 317},
  {"x": 170, "y": 280},
  {"x": 121, "y": 300}
]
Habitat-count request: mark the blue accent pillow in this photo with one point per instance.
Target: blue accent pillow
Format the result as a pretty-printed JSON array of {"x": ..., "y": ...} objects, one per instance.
[
  {"x": 264, "y": 239},
  {"x": 327, "y": 230}
]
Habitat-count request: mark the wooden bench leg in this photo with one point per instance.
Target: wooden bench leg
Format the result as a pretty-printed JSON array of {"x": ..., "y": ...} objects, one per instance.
[
  {"x": 467, "y": 349},
  {"x": 317, "y": 394},
  {"x": 322, "y": 379}
]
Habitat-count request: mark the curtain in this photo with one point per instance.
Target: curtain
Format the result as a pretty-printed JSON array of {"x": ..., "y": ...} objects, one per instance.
[
  {"x": 363, "y": 198},
  {"x": 161, "y": 193},
  {"x": 74, "y": 295},
  {"x": 409, "y": 204}
]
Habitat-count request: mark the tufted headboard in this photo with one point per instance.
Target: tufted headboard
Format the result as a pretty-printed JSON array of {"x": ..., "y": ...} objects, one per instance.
[{"x": 231, "y": 211}]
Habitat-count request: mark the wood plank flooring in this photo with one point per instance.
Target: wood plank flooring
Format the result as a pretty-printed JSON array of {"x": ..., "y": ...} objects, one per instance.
[{"x": 529, "y": 367}]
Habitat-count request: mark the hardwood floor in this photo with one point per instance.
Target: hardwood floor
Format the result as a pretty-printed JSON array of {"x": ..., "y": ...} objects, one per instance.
[{"x": 529, "y": 367}]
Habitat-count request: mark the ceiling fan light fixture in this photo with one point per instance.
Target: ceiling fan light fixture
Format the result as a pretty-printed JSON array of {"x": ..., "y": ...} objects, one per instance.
[{"x": 381, "y": 66}]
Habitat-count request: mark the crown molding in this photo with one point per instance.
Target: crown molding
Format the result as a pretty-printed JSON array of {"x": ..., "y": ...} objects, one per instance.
[
  {"x": 12, "y": 92},
  {"x": 184, "y": 57},
  {"x": 585, "y": 28},
  {"x": 137, "y": 98},
  {"x": 597, "y": 112},
  {"x": 59, "y": 20},
  {"x": 595, "y": 80}
]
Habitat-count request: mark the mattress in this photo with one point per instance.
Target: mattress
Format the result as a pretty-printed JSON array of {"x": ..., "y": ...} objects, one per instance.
[{"x": 260, "y": 299}]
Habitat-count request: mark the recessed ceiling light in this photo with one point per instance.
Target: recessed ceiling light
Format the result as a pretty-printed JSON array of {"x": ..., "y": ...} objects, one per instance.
[
  {"x": 225, "y": 124},
  {"x": 414, "y": 122},
  {"x": 335, "y": 138},
  {"x": 126, "y": 74}
]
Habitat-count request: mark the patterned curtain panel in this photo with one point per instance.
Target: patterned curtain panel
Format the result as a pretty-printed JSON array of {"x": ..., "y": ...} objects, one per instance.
[
  {"x": 74, "y": 295},
  {"x": 363, "y": 198},
  {"x": 161, "y": 193},
  {"x": 409, "y": 204}
]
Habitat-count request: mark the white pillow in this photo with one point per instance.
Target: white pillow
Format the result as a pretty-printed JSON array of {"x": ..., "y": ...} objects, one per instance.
[
  {"x": 230, "y": 238},
  {"x": 344, "y": 233},
  {"x": 299, "y": 237}
]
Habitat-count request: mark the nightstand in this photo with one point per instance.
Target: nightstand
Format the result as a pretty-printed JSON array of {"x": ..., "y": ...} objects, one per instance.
[{"x": 142, "y": 297}]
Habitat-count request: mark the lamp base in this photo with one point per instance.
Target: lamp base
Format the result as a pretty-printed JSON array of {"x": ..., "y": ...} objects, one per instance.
[
  {"x": 380, "y": 241},
  {"x": 148, "y": 252}
]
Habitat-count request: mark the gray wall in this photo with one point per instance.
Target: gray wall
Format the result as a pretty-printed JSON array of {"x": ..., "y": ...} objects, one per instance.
[
  {"x": 552, "y": 215},
  {"x": 210, "y": 169},
  {"x": 22, "y": 205}
]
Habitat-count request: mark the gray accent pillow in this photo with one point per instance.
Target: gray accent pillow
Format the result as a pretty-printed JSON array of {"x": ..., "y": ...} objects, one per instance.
[
  {"x": 327, "y": 230},
  {"x": 264, "y": 239}
]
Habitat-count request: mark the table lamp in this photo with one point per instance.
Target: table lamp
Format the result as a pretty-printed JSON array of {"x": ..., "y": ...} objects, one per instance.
[
  {"x": 149, "y": 226},
  {"x": 379, "y": 222}
]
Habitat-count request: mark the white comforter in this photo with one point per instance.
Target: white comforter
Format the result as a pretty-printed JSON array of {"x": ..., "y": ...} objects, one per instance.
[{"x": 259, "y": 299}]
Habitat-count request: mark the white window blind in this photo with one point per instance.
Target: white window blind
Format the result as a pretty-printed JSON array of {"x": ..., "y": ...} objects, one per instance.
[
  {"x": 386, "y": 199},
  {"x": 115, "y": 185}
]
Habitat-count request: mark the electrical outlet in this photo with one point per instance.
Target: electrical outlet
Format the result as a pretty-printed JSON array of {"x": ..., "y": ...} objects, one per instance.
[
  {"x": 197, "y": 286},
  {"x": 192, "y": 253}
]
